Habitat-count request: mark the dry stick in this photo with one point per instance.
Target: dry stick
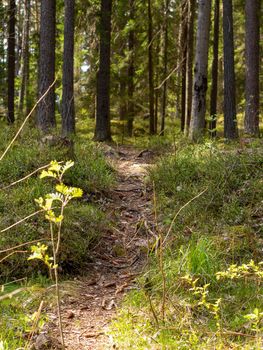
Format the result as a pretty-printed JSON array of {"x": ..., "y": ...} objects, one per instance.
[
  {"x": 179, "y": 211},
  {"x": 14, "y": 252},
  {"x": 57, "y": 286},
  {"x": 10, "y": 295},
  {"x": 161, "y": 263},
  {"x": 27, "y": 176},
  {"x": 169, "y": 75},
  {"x": 21, "y": 245},
  {"x": 26, "y": 119},
  {"x": 34, "y": 327},
  {"x": 22, "y": 220}
]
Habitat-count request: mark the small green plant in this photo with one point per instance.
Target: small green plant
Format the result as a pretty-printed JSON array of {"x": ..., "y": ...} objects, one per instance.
[
  {"x": 202, "y": 293},
  {"x": 53, "y": 204}
]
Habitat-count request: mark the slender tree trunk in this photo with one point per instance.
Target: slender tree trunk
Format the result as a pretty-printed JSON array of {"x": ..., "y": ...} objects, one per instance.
[
  {"x": 46, "y": 108},
  {"x": 156, "y": 80},
  {"x": 150, "y": 70},
  {"x": 68, "y": 108},
  {"x": 25, "y": 56},
  {"x": 252, "y": 67},
  {"x": 131, "y": 70},
  {"x": 102, "y": 129},
  {"x": 189, "y": 64},
  {"x": 200, "y": 77},
  {"x": 183, "y": 47},
  {"x": 11, "y": 61},
  {"x": 214, "y": 88},
  {"x": 123, "y": 95},
  {"x": 230, "y": 122},
  {"x": 165, "y": 63}
]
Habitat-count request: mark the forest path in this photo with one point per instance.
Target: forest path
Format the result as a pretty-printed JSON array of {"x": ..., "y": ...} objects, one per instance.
[{"x": 89, "y": 304}]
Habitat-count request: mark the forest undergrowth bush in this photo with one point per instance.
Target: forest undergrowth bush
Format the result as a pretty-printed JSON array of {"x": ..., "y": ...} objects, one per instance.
[
  {"x": 84, "y": 219},
  {"x": 82, "y": 224},
  {"x": 182, "y": 303}
]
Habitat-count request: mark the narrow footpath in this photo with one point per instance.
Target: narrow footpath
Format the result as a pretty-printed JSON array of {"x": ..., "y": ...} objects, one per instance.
[{"x": 89, "y": 304}]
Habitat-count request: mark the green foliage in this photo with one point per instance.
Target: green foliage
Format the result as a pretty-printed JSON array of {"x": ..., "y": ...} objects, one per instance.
[
  {"x": 213, "y": 294},
  {"x": 83, "y": 220},
  {"x": 17, "y": 318}
]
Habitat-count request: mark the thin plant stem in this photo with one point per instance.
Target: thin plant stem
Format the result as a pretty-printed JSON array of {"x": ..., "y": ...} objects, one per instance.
[
  {"x": 57, "y": 286},
  {"x": 21, "y": 245},
  {"x": 26, "y": 177},
  {"x": 160, "y": 255},
  {"x": 59, "y": 228},
  {"x": 26, "y": 119},
  {"x": 179, "y": 211},
  {"x": 22, "y": 220}
]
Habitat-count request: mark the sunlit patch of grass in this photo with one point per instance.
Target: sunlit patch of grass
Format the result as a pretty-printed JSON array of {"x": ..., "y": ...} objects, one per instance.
[
  {"x": 221, "y": 227},
  {"x": 18, "y": 314}
]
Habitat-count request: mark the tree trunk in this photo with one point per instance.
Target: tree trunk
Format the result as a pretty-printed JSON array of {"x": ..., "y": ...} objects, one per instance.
[
  {"x": 46, "y": 108},
  {"x": 230, "y": 122},
  {"x": 131, "y": 70},
  {"x": 200, "y": 77},
  {"x": 252, "y": 9},
  {"x": 165, "y": 63},
  {"x": 183, "y": 48},
  {"x": 189, "y": 64},
  {"x": 157, "y": 78},
  {"x": 11, "y": 62},
  {"x": 25, "y": 56},
  {"x": 68, "y": 107},
  {"x": 150, "y": 70},
  {"x": 102, "y": 129},
  {"x": 214, "y": 88}
]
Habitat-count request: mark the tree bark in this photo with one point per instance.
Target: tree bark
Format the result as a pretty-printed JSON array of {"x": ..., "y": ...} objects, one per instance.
[
  {"x": 230, "y": 122},
  {"x": 200, "y": 72},
  {"x": 102, "y": 129},
  {"x": 131, "y": 70},
  {"x": 189, "y": 63},
  {"x": 68, "y": 107},
  {"x": 11, "y": 62},
  {"x": 46, "y": 108},
  {"x": 252, "y": 10},
  {"x": 183, "y": 48},
  {"x": 25, "y": 57},
  {"x": 165, "y": 64},
  {"x": 214, "y": 87},
  {"x": 150, "y": 70}
]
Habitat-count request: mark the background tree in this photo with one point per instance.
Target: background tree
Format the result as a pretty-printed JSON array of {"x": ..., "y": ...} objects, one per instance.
[
  {"x": 230, "y": 121},
  {"x": 102, "y": 129},
  {"x": 252, "y": 10},
  {"x": 11, "y": 61},
  {"x": 131, "y": 66},
  {"x": 189, "y": 65},
  {"x": 183, "y": 61},
  {"x": 214, "y": 77},
  {"x": 46, "y": 109},
  {"x": 150, "y": 69},
  {"x": 24, "y": 90},
  {"x": 200, "y": 77},
  {"x": 165, "y": 64},
  {"x": 68, "y": 107}
]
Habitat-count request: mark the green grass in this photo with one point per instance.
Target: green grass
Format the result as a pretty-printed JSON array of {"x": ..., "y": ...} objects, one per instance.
[
  {"x": 18, "y": 313},
  {"x": 84, "y": 220},
  {"x": 221, "y": 227}
]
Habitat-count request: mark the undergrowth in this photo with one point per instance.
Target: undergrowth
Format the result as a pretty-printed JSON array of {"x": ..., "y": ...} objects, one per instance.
[
  {"x": 181, "y": 303},
  {"x": 84, "y": 220}
]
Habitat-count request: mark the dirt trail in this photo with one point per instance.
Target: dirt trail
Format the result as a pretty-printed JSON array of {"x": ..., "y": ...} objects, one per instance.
[{"x": 90, "y": 304}]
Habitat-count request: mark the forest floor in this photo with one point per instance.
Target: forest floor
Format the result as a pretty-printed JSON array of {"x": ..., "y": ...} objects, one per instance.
[{"x": 89, "y": 304}]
